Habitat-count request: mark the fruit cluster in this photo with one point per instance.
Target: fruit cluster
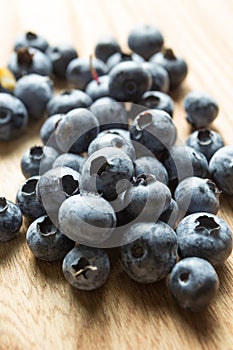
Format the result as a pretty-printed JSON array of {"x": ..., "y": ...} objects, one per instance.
[{"x": 109, "y": 172}]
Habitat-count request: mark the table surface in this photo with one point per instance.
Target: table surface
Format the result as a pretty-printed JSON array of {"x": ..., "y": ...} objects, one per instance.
[{"x": 38, "y": 309}]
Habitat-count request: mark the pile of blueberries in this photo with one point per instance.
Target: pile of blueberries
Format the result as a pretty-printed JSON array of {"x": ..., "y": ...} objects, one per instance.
[{"x": 110, "y": 172}]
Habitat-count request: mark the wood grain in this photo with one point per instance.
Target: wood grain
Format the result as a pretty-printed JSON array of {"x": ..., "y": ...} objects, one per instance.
[{"x": 38, "y": 309}]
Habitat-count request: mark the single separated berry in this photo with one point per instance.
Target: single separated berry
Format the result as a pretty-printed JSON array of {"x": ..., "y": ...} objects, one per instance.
[
  {"x": 201, "y": 109},
  {"x": 10, "y": 219},
  {"x": 151, "y": 253},
  {"x": 46, "y": 241},
  {"x": 193, "y": 283},
  {"x": 86, "y": 268}
]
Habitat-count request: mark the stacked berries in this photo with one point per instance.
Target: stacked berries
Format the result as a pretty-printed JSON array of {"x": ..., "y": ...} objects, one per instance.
[{"x": 109, "y": 172}]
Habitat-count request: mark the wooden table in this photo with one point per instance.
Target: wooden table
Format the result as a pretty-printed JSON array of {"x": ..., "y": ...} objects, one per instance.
[{"x": 38, "y": 309}]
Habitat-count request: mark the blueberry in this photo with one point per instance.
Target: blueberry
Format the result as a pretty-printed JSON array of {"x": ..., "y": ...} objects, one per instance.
[
  {"x": 76, "y": 130},
  {"x": 151, "y": 254},
  {"x": 10, "y": 219},
  {"x": 110, "y": 113},
  {"x": 206, "y": 236},
  {"x": 182, "y": 162},
  {"x": 205, "y": 141},
  {"x": 55, "y": 186},
  {"x": 123, "y": 57},
  {"x": 37, "y": 160},
  {"x": 151, "y": 165},
  {"x": 221, "y": 169},
  {"x": 7, "y": 81},
  {"x": 61, "y": 55},
  {"x": 47, "y": 131},
  {"x": 46, "y": 241},
  {"x": 154, "y": 129},
  {"x": 176, "y": 66},
  {"x": 160, "y": 77},
  {"x": 86, "y": 268},
  {"x": 30, "y": 39},
  {"x": 68, "y": 100},
  {"x": 154, "y": 100},
  {"x": 195, "y": 194},
  {"x": 87, "y": 218},
  {"x": 147, "y": 198},
  {"x": 112, "y": 140},
  {"x": 34, "y": 91},
  {"x": 194, "y": 284},
  {"x": 201, "y": 109},
  {"x": 13, "y": 117},
  {"x": 27, "y": 200},
  {"x": 171, "y": 214},
  {"x": 145, "y": 40},
  {"x": 79, "y": 73},
  {"x": 97, "y": 89},
  {"x": 28, "y": 61},
  {"x": 70, "y": 160},
  {"x": 106, "y": 47},
  {"x": 128, "y": 81},
  {"x": 108, "y": 172}
]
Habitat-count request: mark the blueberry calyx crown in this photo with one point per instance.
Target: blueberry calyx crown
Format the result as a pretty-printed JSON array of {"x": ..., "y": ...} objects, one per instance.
[
  {"x": 69, "y": 185},
  {"x": 83, "y": 265},
  {"x": 31, "y": 36},
  {"x": 143, "y": 121},
  {"x": 169, "y": 54},
  {"x": 151, "y": 101},
  {"x": 4, "y": 115},
  {"x": 184, "y": 277},
  {"x": 36, "y": 152},
  {"x": 204, "y": 137},
  {"x": 137, "y": 250},
  {"x": 143, "y": 180},
  {"x": 24, "y": 57},
  {"x": 3, "y": 204},
  {"x": 46, "y": 227},
  {"x": 29, "y": 188},
  {"x": 212, "y": 186},
  {"x": 207, "y": 224},
  {"x": 99, "y": 165}
]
